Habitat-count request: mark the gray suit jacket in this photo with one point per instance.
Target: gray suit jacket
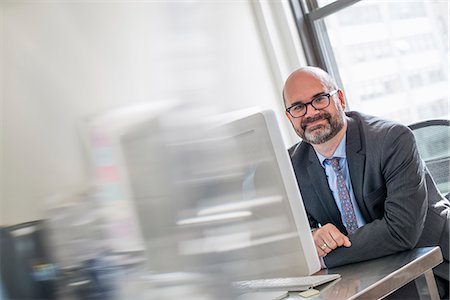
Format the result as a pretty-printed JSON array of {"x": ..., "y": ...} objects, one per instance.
[{"x": 398, "y": 200}]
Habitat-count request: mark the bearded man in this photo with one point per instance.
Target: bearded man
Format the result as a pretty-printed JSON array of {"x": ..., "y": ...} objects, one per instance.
[{"x": 366, "y": 191}]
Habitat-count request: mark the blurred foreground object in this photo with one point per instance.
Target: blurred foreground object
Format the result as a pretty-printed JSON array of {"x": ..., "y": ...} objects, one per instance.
[
  {"x": 86, "y": 265},
  {"x": 183, "y": 203},
  {"x": 27, "y": 269}
]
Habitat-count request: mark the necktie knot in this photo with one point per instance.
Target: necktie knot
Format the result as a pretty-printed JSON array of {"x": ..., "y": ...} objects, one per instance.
[{"x": 334, "y": 162}]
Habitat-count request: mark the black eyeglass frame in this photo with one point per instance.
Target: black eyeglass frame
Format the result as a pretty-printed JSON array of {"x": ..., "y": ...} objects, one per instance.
[{"x": 328, "y": 95}]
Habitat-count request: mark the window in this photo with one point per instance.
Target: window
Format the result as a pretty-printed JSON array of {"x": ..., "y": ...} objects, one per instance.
[
  {"x": 390, "y": 57},
  {"x": 360, "y": 16},
  {"x": 408, "y": 10}
]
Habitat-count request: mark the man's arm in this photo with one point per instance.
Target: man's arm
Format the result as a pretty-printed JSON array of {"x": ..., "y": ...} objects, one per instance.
[{"x": 405, "y": 204}]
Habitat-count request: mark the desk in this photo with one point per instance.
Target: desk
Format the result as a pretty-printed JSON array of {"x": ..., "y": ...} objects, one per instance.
[
  {"x": 365, "y": 280},
  {"x": 380, "y": 277}
]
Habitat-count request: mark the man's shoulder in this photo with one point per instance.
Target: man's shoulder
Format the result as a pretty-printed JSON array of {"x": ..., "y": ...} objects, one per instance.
[{"x": 298, "y": 149}]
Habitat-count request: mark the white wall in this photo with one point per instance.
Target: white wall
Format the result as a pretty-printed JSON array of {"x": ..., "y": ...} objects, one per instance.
[{"x": 63, "y": 61}]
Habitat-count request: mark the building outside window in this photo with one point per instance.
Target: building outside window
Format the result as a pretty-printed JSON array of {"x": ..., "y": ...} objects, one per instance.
[{"x": 392, "y": 57}]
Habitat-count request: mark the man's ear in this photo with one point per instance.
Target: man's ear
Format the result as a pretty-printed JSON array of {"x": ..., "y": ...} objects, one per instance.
[
  {"x": 287, "y": 115},
  {"x": 341, "y": 97}
]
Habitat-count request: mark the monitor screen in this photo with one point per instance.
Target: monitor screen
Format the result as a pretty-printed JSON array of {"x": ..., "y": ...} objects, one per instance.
[{"x": 219, "y": 197}]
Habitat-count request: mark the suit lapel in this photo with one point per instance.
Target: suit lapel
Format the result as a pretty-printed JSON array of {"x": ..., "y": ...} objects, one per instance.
[
  {"x": 356, "y": 157},
  {"x": 320, "y": 183}
]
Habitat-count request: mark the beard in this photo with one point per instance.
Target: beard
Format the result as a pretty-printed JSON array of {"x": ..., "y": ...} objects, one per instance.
[{"x": 319, "y": 134}]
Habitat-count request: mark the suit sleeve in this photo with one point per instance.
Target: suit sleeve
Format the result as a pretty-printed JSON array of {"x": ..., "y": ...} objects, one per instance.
[
  {"x": 312, "y": 222},
  {"x": 404, "y": 199}
]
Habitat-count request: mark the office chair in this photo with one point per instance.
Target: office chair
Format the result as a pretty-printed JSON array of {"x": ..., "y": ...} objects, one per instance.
[{"x": 433, "y": 142}]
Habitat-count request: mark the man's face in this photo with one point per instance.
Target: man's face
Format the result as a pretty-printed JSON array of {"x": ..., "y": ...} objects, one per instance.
[{"x": 316, "y": 126}]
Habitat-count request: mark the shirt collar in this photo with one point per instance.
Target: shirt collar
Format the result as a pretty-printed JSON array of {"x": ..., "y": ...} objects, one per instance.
[{"x": 339, "y": 152}]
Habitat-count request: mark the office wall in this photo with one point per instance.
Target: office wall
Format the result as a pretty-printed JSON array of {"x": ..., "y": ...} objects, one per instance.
[{"x": 65, "y": 61}]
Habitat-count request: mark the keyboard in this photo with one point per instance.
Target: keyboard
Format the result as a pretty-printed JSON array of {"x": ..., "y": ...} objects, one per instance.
[{"x": 288, "y": 283}]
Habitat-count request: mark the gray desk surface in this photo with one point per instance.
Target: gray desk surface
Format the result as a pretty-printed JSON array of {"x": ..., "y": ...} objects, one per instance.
[
  {"x": 377, "y": 278},
  {"x": 365, "y": 280}
]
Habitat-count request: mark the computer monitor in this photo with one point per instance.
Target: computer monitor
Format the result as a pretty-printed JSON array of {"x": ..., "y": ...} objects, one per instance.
[
  {"x": 279, "y": 241},
  {"x": 223, "y": 201}
]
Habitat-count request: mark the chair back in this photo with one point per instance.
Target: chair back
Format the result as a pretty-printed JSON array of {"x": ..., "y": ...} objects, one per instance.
[{"x": 433, "y": 142}]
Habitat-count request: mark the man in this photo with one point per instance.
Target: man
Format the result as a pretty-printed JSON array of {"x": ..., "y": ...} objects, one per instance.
[{"x": 363, "y": 183}]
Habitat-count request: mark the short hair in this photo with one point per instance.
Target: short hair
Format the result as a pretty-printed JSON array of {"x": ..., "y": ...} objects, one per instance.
[{"x": 316, "y": 72}]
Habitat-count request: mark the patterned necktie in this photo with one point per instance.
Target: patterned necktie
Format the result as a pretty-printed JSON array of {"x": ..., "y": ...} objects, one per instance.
[{"x": 344, "y": 197}]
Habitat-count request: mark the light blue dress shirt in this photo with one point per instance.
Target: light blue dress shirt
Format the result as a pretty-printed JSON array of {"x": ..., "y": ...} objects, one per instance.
[{"x": 331, "y": 178}]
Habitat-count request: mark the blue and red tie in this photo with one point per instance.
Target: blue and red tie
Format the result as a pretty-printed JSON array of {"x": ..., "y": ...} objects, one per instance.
[{"x": 344, "y": 196}]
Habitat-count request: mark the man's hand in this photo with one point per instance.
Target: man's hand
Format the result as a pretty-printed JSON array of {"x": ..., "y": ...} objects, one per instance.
[{"x": 327, "y": 238}]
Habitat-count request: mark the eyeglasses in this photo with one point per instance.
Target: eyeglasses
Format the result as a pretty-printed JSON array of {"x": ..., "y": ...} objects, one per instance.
[{"x": 319, "y": 102}]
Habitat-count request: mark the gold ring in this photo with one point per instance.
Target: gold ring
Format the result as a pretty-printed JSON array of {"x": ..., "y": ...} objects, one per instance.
[{"x": 323, "y": 246}]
